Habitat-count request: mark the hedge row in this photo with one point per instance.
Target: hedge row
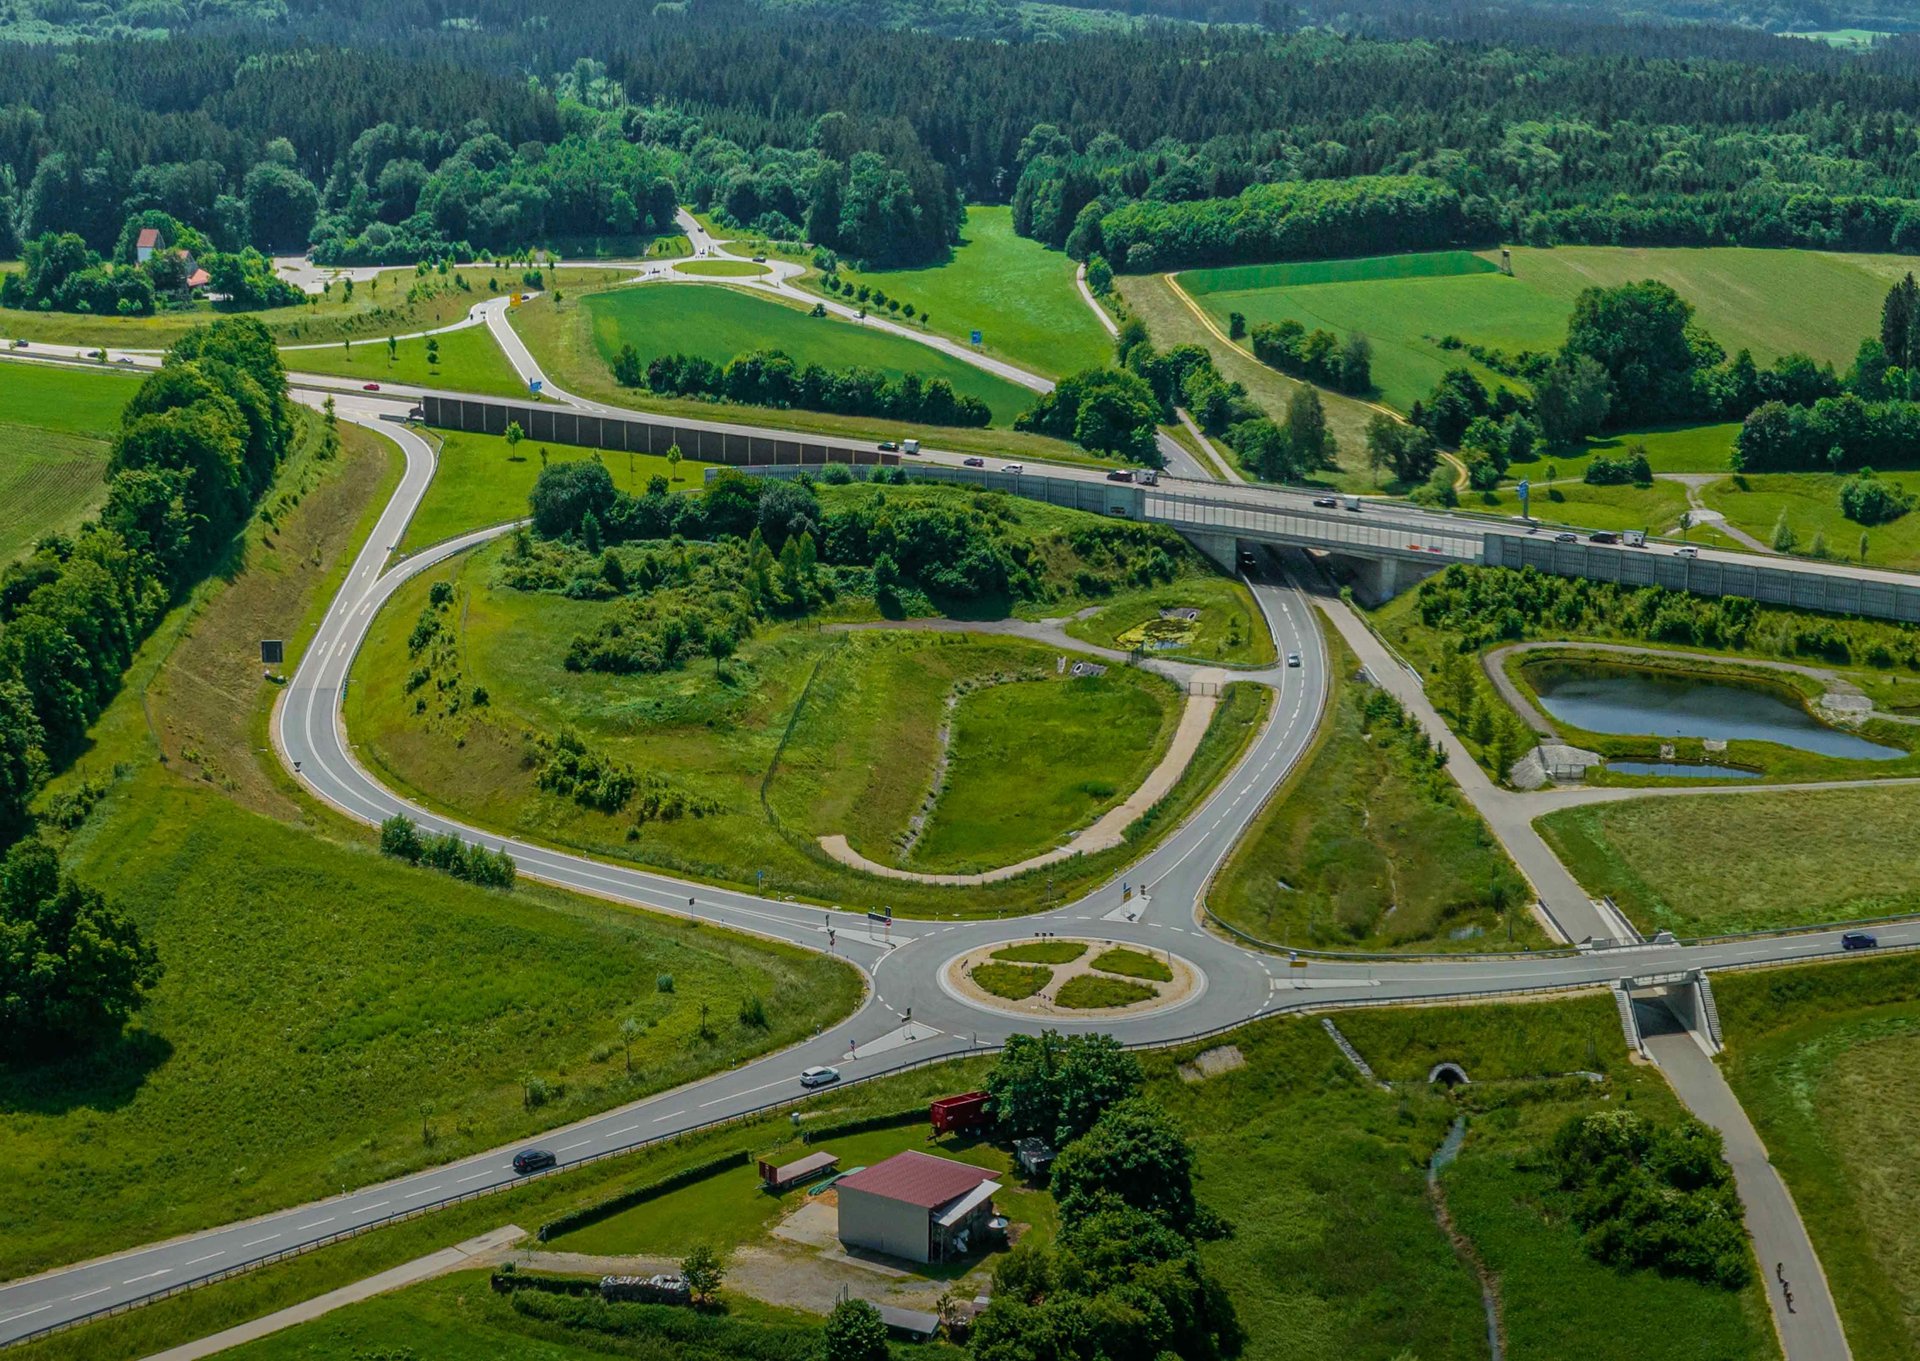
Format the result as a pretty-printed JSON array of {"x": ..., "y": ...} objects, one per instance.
[
  {"x": 865, "y": 1124},
  {"x": 507, "y": 1281},
  {"x": 639, "y": 1195}
]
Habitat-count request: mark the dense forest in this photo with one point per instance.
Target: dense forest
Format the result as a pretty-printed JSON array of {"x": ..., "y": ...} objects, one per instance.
[{"x": 391, "y": 132}]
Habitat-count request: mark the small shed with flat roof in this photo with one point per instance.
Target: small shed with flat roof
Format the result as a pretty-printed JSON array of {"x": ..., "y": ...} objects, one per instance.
[
  {"x": 916, "y": 1206},
  {"x": 781, "y": 1177}
]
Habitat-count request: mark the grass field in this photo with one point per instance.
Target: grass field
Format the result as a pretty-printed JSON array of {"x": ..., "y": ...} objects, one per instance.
[
  {"x": 55, "y": 426},
  {"x": 1018, "y": 294},
  {"x": 317, "y": 994},
  {"x": 1810, "y": 503},
  {"x": 469, "y": 360},
  {"x": 1824, "y": 1060},
  {"x": 1358, "y": 851},
  {"x": 856, "y": 758},
  {"x": 1848, "y": 856},
  {"x": 1169, "y": 319},
  {"x": 563, "y": 336},
  {"x": 1657, "y": 508},
  {"x": 1031, "y": 759},
  {"x": 1230, "y": 630},
  {"x": 719, "y": 323},
  {"x": 1405, "y": 304},
  {"x": 482, "y": 480},
  {"x": 1670, "y": 449}
]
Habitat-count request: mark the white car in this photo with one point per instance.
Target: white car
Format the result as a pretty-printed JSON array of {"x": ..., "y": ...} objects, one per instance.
[
  {"x": 819, "y": 1077},
  {"x": 1014, "y": 468},
  {"x": 1293, "y": 659},
  {"x": 1689, "y": 551}
]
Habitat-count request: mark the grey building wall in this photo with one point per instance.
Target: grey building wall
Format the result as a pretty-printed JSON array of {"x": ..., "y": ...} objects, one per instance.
[{"x": 883, "y": 1225}]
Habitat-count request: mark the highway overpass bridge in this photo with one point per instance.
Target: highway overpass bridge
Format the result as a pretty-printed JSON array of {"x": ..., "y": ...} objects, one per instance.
[{"x": 1391, "y": 544}]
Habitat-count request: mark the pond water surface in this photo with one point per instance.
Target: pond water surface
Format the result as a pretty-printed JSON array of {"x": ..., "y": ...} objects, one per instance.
[{"x": 1619, "y": 700}]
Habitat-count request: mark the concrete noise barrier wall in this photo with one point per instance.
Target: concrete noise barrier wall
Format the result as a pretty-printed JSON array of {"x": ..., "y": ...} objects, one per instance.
[{"x": 641, "y": 434}]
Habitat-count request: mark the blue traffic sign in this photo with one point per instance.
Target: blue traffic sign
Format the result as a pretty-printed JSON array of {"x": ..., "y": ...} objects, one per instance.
[{"x": 976, "y": 338}]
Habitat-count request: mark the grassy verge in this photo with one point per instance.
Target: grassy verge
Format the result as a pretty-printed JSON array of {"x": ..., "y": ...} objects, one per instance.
[
  {"x": 1042, "y": 952},
  {"x": 328, "y": 1018},
  {"x": 1809, "y": 505},
  {"x": 721, "y": 269},
  {"x": 1229, "y": 630},
  {"x": 1656, "y": 508},
  {"x": 1367, "y": 847},
  {"x": 468, "y": 360},
  {"x": 1824, "y": 1061},
  {"x": 1847, "y": 857}
]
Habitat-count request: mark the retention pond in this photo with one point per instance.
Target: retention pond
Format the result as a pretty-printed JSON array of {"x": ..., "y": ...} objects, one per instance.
[{"x": 1611, "y": 699}]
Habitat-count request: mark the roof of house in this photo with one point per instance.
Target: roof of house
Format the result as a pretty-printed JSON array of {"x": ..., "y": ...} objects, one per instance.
[
  {"x": 149, "y": 236},
  {"x": 199, "y": 279},
  {"x": 917, "y": 1179}
]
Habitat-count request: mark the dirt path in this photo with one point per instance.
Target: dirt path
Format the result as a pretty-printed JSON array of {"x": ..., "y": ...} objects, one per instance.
[{"x": 1704, "y": 514}]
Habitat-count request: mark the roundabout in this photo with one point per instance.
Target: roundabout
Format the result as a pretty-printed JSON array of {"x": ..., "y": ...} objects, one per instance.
[{"x": 1068, "y": 978}]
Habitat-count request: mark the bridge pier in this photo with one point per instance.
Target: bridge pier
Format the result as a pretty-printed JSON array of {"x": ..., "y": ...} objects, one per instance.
[
  {"x": 1378, "y": 580},
  {"x": 1222, "y": 549}
]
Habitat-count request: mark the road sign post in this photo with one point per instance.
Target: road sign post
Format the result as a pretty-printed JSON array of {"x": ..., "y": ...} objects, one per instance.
[{"x": 976, "y": 340}]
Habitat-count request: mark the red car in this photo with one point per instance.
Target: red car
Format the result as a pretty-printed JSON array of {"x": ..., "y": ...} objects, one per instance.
[{"x": 369, "y": 387}]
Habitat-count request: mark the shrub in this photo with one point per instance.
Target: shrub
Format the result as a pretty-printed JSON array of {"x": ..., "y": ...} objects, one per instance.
[{"x": 1866, "y": 500}]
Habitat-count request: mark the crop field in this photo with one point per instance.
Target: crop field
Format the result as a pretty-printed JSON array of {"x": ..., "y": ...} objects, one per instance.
[
  {"x": 482, "y": 480},
  {"x": 1849, "y": 856},
  {"x": 1405, "y": 304},
  {"x": 69, "y": 398},
  {"x": 1358, "y": 852},
  {"x": 1018, "y": 294},
  {"x": 719, "y": 323},
  {"x": 1824, "y": 1060},
  {"x": 467, "y": 360}
]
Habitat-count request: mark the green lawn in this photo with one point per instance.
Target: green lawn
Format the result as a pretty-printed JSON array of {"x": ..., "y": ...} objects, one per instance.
[
  {"x": 1230, "y": 630},
  {"x": 468, "y": 360},
  {"x": 482, "y": 480},
  {"x": 1670, "y": 449},
  {"x": 1012, "y": 981},
  {"x": 855, "y": 758},
  {"x": 1824, "y": 1060},
  {"x": 1848, "y": 856},
  {"x": 1810, "y": 503},
  {"x": 1360, "y": 850},
  {"x": 719, "y": 323},
  {"x": 1031, "y": 760},
  {"x": 1091, "y": 992},
  {"x": 1018, "y": 294}
]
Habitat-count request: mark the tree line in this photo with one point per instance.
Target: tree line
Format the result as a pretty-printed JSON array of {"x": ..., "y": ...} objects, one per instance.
[{"x": 773, "y": 378}]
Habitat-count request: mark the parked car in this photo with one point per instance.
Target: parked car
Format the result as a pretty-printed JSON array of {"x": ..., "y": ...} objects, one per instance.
[
  {"x": 369, "y": 387},
  {"x": 1013, "y": 468},
  {"x": 1120, "y": 475},
  {"x": 1566, "y": 538},
  {"x": 819, "y": 1077},
  {"x": 974, "y": 462},
  {"x": 532, "y": 1160},
  {"x": 1293, "y": 659},
  {"x": 887, "y": 446},
  {"x": 1325, "y": 502},
  {"x": 1686, "y": 551},
  {"x": 1858, "y": 940}
]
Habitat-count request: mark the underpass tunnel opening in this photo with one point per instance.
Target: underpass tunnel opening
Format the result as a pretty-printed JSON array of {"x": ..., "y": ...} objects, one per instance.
[{"x": 1448, "y": 1075}]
